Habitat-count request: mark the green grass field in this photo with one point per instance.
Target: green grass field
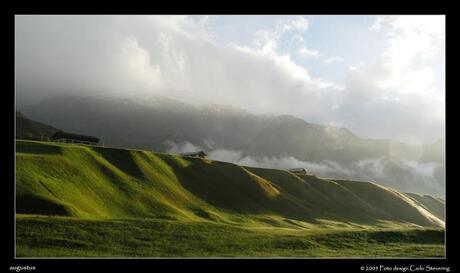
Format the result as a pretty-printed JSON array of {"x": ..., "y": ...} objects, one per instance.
[
  {"x": 83, "y": 201},
  {"x": 62, "y": 236}
]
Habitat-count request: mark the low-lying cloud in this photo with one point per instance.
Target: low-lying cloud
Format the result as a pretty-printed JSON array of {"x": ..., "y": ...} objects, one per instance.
[
  {"x": 179, "y": 148},
  {"x": 404, "y": 175}
]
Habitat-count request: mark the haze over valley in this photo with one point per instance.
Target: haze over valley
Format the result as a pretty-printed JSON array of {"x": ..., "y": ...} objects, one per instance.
[{"x": 228, "y": 134}]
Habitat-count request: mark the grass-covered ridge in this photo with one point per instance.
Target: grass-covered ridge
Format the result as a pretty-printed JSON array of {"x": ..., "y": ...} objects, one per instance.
[{"x": 77, "y": 188}]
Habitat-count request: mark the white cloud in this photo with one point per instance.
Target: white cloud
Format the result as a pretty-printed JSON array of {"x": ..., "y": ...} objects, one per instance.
[
  {"x": 308, "y": 53},
  {"x": 268, "y": 39},
  {"x": 413, "y": 41},
  {"x": 333, "y": 59},
  {"x": 137, "y": 55},
  {"x": 139, "y": 63},
  {"x": 406, "y": 175},
  {"x": 300, "y": 23},
  {"x": 377, "y": 26},
  {"x": 179, "y": 148},
  {"x": 398, "y": 84}
]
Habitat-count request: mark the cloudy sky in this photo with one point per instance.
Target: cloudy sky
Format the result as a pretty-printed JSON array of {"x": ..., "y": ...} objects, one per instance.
[{"x": 380, "y": 76}]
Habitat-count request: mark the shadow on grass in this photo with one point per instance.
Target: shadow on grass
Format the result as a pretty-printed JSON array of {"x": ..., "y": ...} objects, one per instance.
[
  {"x": 230, "y": 187},
  {"x": 122, "y": 159},
  {"x": 32, "y": 204},
  {"x": 30, "y": 147}
]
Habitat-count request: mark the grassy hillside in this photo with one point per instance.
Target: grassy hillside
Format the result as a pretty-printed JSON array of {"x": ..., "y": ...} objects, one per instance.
[
  {"x": 435, "y": 205},
  {"x": 95, "y": 193}
]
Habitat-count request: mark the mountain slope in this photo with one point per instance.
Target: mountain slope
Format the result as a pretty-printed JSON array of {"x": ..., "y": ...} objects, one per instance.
[
  {"x": 131, "y": 124},
  {"x": 161, "y": 123},
  {"x": 107, "y": 183},
  {"x": 27, "y": 128}
]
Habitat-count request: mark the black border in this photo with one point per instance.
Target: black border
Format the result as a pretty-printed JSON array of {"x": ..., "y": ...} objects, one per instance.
[{"x": 206, "y": 265}]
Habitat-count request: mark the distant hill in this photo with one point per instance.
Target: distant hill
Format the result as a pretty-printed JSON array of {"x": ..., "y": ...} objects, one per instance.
[
  {"x": 96, "y": 182},
  {"x": 29, "y": 129},
  {"x": 157, "y": 123}
]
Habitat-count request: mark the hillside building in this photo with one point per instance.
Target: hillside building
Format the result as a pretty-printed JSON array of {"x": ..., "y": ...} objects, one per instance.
[
  {"x": 298, "y": 171},
  {"x": 74, "y": 138},
  {"x": 199, "y": 154}
]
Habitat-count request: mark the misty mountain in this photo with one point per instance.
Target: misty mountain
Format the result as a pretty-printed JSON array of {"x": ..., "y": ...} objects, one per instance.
[{"x": 231, "y": 134}]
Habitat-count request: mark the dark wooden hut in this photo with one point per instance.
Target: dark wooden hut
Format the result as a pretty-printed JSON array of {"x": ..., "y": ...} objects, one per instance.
[
  {"x": 74, "y": 138},
  {"x": 199, "y": 154}
]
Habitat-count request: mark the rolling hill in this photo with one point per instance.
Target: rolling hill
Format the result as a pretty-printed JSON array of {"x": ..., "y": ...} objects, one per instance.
[
  {"x": 97, "y": 182},
  {"x": 99, "y": 189}
]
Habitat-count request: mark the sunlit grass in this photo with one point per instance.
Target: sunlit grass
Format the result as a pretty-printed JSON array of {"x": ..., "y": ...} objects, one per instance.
[
  {"x": 40, "y": 236},
  {"x": 77, "y": 200}
]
